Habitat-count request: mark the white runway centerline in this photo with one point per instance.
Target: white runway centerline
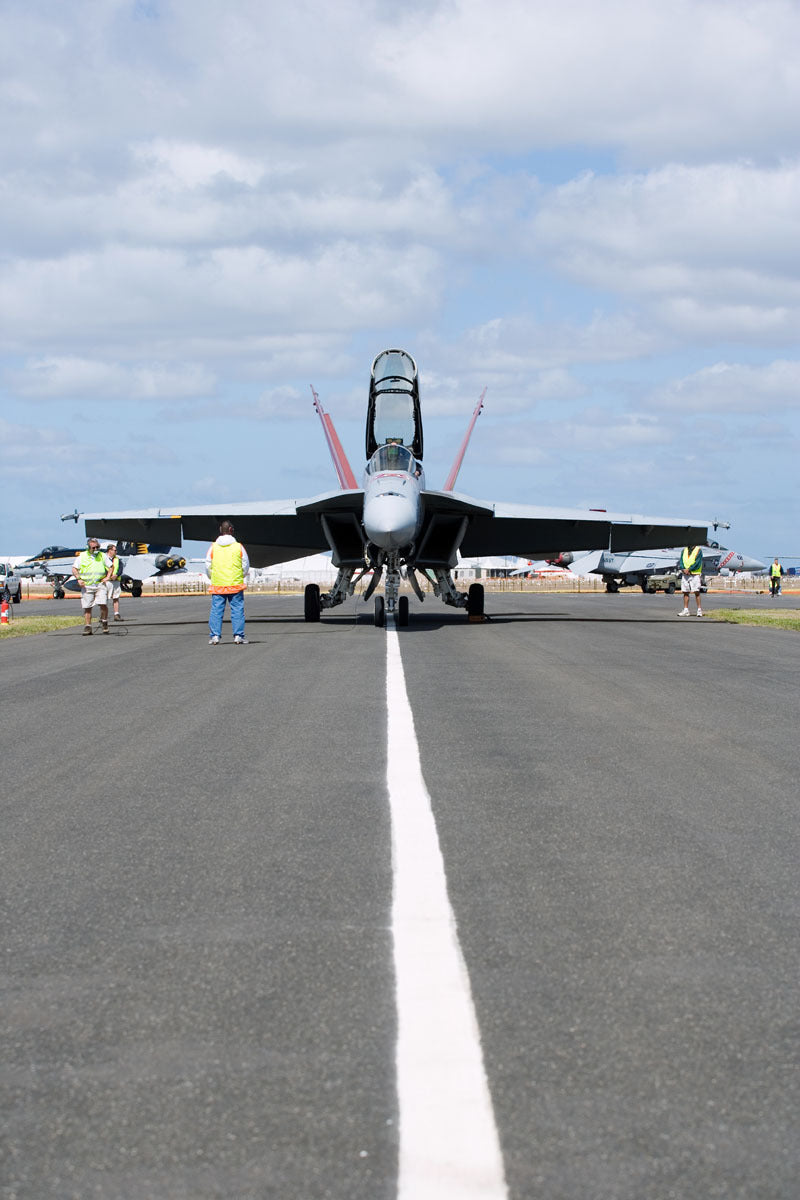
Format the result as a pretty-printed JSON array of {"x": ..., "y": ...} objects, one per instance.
[{"x": 449, "y": 1148}]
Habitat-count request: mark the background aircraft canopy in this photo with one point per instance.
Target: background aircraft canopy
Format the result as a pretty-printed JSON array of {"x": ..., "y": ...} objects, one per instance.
[{"x": 394, "y": 413}]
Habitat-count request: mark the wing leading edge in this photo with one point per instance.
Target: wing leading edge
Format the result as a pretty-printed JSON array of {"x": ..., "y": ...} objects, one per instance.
[
  {"x": 530, "y": 531},
  {"x": 282, "y": 530},
  {"x": 273, "y": 531}
]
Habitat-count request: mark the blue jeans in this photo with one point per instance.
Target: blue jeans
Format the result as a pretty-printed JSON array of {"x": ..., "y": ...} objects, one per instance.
[{"x": 218, "y": 612}]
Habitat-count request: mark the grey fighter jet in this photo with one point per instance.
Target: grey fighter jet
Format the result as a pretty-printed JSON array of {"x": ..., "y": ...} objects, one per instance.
[
  {"x": 394, "y": 527},
  {"x": 139, "y": 562},
  {"x": 634, "y": 570}
]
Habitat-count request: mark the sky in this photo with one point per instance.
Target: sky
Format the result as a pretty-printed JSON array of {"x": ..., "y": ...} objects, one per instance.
[{"x": 592, "y": 210}]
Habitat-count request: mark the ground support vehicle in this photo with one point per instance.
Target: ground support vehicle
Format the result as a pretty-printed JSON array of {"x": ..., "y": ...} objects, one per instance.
[{"x": 9, "y": 582}]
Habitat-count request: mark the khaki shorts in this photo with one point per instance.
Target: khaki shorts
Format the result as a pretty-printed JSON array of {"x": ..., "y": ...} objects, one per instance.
[
  {"x": 94, "y": 595},
  {"x": 690, "y": 583},
  {"x": 114, "y": 589}
]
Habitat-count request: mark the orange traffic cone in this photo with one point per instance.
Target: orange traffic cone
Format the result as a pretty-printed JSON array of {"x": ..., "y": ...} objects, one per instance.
[{"x": 4, "y": 612}]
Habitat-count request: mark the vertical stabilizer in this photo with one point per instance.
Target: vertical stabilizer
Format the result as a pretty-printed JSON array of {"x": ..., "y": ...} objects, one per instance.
[
  {"x": 344, "y": 471},
  {"x": 450, "y": 482}
]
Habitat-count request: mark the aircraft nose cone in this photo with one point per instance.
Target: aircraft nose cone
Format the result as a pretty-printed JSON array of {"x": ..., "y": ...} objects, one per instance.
[
  {"x": 390, "y": 521},
  {"x": 752, "y": 564}
]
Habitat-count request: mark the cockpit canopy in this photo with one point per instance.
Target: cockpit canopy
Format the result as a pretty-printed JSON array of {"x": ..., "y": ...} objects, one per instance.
[
  {"x": 394, "y": 415},
  {"x": 392, "y": 457}
]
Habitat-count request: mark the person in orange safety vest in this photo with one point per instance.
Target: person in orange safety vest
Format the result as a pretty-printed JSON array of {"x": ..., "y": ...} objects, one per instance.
[{"x": 227, "y": 565}]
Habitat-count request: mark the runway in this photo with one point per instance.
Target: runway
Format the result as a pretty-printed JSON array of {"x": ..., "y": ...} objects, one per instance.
[{"x": 199, "y": 992}]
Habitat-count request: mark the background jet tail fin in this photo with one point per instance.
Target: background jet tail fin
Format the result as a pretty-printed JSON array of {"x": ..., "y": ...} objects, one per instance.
[
  {"x": 450, "y": 482},
  {"x": 343, "y": 469}
]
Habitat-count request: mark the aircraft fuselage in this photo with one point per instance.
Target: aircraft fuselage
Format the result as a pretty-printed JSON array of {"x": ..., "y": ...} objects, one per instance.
[
  {"x": 629, "y": 570},
  {"x": 393, "y": 481}
]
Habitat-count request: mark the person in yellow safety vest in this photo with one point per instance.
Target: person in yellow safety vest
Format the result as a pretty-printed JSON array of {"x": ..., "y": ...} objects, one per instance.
[
  {"x": 113, "y": 584},
  {"x": 227, "y": 565},
  {"x": 775, "y": 572},
  {"x": 91, "y": 571},
  {"x": 691, "y": 568}
]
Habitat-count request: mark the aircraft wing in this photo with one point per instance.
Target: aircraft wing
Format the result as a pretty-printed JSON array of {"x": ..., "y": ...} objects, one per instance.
[
  {"x": 281, "y": 530},
  {"x": 534, "y": 532},
  {"x": 56, "y": 568},
  {"x": 273, "y": 531}
]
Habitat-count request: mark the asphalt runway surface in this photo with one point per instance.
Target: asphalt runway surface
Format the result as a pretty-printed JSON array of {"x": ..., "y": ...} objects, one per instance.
[{"x": 198, "y": 997}]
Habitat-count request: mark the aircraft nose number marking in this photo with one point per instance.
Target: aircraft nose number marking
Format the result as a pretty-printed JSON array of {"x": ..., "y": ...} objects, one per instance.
[{"x": 449, "y": 1147}]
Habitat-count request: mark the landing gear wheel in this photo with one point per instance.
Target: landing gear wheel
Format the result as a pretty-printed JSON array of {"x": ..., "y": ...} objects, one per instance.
[
  {"x": 475, "y": 600},
  {"x": 612, "y": 585},
  {"x": 136, "y": 590},
  {"x": 58, "y": 593},
  {"x": 402, "y": 610},
  {"x": 312, "y": 604},
  {"x": 380, "y": 612}
]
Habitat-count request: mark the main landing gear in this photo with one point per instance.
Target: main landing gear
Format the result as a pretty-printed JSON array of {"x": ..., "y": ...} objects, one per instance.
[
  {"x": 391, "y": 603},
  {"x": 475, "y": 600},
  {"x": 313, "y": 606}
]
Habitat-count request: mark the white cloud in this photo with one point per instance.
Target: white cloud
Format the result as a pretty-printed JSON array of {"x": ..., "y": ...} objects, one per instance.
[
  {"x": 714, "y": 251},
  {"x": 509, "y": 75},
  {"x": 161, "y": 296},
  {"x": 594, "y": 431},
  {"x": 180, "y": 165},
  {"x": 734, "y": 388},
  {"x": 80, "y": 378},
  {"x": 28, "y": 448},
  {"x": 523, "y": 343}
]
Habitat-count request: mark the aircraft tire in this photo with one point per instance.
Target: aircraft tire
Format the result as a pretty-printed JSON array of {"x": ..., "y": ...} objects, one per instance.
[
  {"x": 402, "y": 610},
  {"x": 136, "y": 590},
  {"x": 312, "y": 607},
  {"x": 58, "y": 593},
  {"x": 475, "y": 598},
  {"x": 380, "y": 612}
]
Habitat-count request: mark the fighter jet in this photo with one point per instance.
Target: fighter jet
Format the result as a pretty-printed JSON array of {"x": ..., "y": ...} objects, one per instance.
[
  {"x": 393, "y": 527},
  {"x": 139, "y": 562},
  {"x": 634, "y": 570}
]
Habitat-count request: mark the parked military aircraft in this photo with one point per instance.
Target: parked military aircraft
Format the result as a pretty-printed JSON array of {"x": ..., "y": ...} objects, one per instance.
[
  {"x": 139, "y": 562},
  {"x": 633, "y": 570},
  {"x": 393, "y": 526}
]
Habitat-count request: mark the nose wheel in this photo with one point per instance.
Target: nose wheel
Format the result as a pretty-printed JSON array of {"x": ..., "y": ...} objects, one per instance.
[{"x": 380, "y": 612}]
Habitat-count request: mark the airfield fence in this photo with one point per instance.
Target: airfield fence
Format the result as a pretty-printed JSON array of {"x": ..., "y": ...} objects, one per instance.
[
  {"x": 296, "y": 585},
  {"x": 293, "y": 585}
]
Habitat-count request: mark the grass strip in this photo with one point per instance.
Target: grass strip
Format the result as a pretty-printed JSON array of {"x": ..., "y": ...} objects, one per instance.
[
  {"x": 22, "y": 626},
  {"x": 787, "y": 618}
]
